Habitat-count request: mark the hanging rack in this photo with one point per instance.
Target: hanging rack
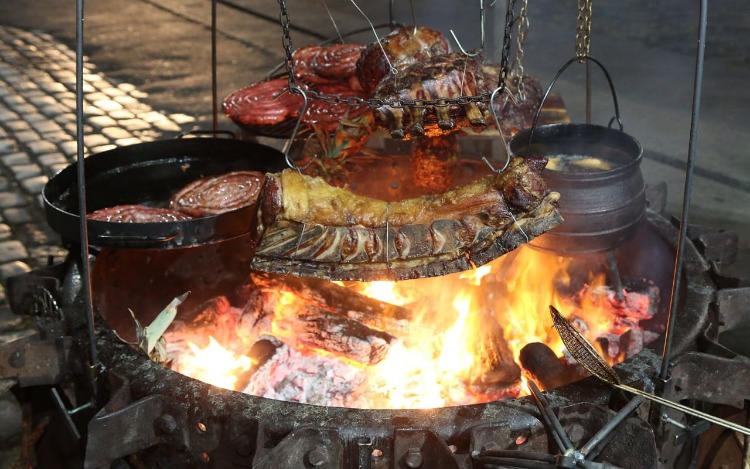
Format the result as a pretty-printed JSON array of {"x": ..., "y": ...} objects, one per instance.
[{"x": 95, "y": 363}]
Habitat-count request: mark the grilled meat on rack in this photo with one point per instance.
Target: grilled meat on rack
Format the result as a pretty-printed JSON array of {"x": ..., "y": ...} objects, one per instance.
[
  {"x": 404, "y": 46},
  {"x": 447, "y": 76},
  {"x": 310, "y": 228}
]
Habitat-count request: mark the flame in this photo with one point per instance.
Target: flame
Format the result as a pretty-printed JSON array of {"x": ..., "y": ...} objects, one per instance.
[
  {"x": 440, "y": 360},
  {"x": 385, "y": 290},
  {"x": 213, "y": 364},
  {"x": 428, "y": 373}
]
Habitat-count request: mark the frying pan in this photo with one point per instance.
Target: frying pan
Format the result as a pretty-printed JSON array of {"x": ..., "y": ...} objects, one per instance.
[{"x": 149, "y": 173}]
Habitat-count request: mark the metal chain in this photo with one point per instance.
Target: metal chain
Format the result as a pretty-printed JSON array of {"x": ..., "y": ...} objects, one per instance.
[
  {"x": 523, "y": 29},
  {"x": 503, "y": 79},
  {"x": 286, "y": 40},
  {"x": 375, "y": 103},
  {"x": 583, "y": 29}
]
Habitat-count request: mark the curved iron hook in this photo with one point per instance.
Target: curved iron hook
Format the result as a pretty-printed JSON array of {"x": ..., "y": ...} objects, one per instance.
[
  {"x": 500, "y": 131},
  {"x": 616, "y": 117},
  {"x": 481, "y": 33},
  {"x": 288, "y": 145},
  {"x": 377, "y": 39},
  {"x": 463, "y": 51}
]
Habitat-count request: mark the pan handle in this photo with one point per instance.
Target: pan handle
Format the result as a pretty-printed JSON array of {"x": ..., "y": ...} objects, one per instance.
[
  {"x": 554, "y": 80},
  {"x": 138, "y": 241},
  {"x": 201, "y": 132}
]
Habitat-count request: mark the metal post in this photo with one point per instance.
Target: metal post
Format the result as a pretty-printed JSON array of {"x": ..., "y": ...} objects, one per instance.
[
  {"x": 677, "y": 277},
  {"x": 214, "y": 91},
  {"x": 84, "y": 237}
]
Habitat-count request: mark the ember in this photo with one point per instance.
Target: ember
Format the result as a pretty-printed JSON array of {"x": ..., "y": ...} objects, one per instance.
[{"x": 423, "y": 343}]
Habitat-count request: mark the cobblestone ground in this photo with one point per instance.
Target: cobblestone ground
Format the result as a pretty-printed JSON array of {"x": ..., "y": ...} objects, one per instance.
[{"x": 38, "y": 138}]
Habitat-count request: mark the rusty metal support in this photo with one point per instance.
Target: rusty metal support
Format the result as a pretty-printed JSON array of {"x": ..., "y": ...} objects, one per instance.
[
  {"x": 34, "y": 362},
  {"x": 320, "y": 448}
]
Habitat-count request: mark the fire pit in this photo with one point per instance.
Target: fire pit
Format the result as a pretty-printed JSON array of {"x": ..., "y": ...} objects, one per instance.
[{"x": 213, "y": 424}]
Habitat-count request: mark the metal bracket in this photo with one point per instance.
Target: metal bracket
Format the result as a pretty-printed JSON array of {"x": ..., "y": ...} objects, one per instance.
[
  {"x": 688, "y": 432},
  {"x": 708, "y": 378},
  {"x": 415, "y": 448},
  {"x": 733, "y": 305},
  {"x": 34, "y": 362},
  {"x": 136, "y": 426},
  {"x": 305, "y": 447}
]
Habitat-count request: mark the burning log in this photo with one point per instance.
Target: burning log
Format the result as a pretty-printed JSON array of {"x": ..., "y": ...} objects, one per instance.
[
  {"x": 285, "y": 314},
  {"x": 494, "y": 354},
  {"x": 546, "y": 368},
  {"x": 260, "y": 353},
  {"x": 335, "y": 333},
  {"x": 339, "y": 299}
]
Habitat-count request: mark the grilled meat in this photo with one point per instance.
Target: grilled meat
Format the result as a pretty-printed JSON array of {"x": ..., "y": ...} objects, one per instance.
[
  {"x": 403, "y": 47},
  {"x": 308, "y": 227}
]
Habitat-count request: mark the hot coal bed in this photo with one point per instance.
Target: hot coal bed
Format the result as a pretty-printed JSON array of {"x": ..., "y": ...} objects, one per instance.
[{"x": 134, "y": 412}]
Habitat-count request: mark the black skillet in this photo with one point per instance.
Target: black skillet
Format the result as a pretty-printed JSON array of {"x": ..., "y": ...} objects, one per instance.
[{"x": 149, "y": 173}]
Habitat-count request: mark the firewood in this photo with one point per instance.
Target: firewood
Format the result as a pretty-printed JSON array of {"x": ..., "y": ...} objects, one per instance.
[
  {"x": 545, "y": 368},
  {"x": 311, "y": 325},
  {"x": 493, "y": 352},
  {"x": 336, "y": 333},
  {"x": 341, "y": 300}
]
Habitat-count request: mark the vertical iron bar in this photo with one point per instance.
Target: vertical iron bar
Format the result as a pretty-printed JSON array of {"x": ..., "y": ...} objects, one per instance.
[
  {"x": 214, "y": 91},
  {"x": 391, "y": 15},
  {"x": 588, "y": 92},
  {"x": 614, "y": 273},
  {"x": 84, "y": 235},
  {"x": 677, "y": 277}
]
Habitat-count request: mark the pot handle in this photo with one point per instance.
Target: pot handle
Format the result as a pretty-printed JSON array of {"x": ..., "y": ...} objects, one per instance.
[{"x": 554, "y": 80}]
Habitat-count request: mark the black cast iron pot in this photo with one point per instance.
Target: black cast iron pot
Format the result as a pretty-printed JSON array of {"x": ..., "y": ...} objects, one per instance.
[{"x": 601, "y": 208}]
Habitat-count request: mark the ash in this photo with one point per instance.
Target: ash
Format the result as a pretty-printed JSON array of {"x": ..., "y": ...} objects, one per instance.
[{"x": 293, "y": 376}]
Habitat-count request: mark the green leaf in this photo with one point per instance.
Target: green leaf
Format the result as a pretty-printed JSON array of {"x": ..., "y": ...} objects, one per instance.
[{"x": 154, "y": 331}]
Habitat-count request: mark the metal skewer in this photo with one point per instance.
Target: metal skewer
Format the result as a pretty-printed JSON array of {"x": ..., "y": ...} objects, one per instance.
[{"x": 582, "y": 350}]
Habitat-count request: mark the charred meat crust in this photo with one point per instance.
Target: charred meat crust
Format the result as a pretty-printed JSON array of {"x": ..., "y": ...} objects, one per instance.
[{"x": 403, "y": 47}]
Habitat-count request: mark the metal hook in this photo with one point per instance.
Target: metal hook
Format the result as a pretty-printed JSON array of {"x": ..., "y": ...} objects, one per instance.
[
  {"x": 413, "y": 16},
  {"x": 482, "y": 42},
  {"x": 333, "y": 21},
  {"x": 463, "y": 51},
  {"x": 377, "y": 39},
  {"x": 288, "y": 145},
  {"x": 499, "y": 131},
  {"x": 481, "y": 33},
  {"x": 299, "y": 240}
]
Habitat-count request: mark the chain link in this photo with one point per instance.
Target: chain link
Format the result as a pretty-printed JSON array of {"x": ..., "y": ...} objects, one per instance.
[
  {"x": 523, "y": 28},
  {"x": 503, "y": 79},
  {"x": 583, "y": 29},
  {"x": 375, "y": 103},
  {"x": 286, "y": 40}
]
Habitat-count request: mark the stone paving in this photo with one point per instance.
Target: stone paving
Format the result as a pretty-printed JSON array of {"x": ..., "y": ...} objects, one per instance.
[{"x": 38, "y": 137}]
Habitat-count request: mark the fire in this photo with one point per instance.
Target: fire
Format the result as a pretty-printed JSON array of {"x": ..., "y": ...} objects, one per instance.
[
  {"x": 385, "y": 290},
  {"x": 428, "y": 373},
  {"x": 461, "y": 344},
  {"x": 213, "y": 364}
]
